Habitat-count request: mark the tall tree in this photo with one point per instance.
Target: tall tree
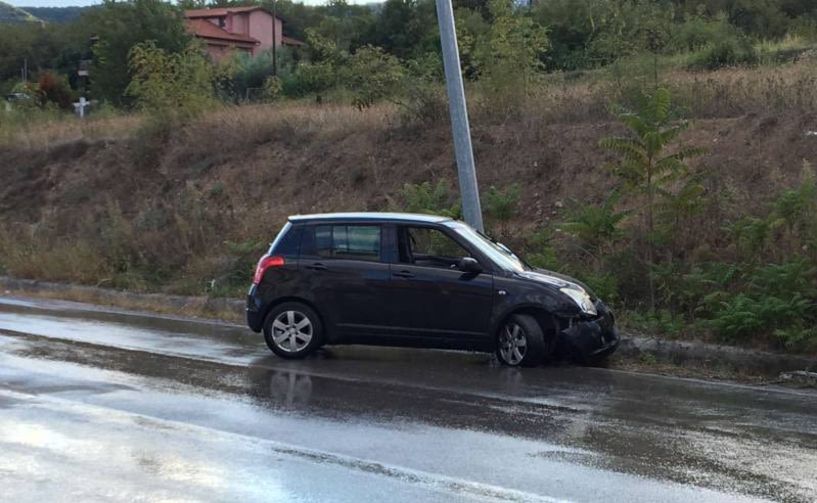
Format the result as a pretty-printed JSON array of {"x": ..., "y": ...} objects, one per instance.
[
  {"x": 645, "y": 165},
  {"x": 406, "y": 28},
  {"x": 122, "y": 25}
]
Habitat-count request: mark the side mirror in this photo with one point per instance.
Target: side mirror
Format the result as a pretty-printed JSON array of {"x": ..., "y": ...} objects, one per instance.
[{"x": 469, "y": 264}]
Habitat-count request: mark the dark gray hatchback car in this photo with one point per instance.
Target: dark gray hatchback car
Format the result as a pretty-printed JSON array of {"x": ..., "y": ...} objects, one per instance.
[{"x": 418, "y": 280}]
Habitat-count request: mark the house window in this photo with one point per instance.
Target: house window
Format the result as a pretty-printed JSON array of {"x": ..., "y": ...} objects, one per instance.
[{"x": 221, "y": 22}]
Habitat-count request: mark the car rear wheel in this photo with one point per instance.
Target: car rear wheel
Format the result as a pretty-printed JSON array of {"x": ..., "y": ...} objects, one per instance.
[
  {"x": 293, "y": 330},
  {"x": 521, "y": 342}
]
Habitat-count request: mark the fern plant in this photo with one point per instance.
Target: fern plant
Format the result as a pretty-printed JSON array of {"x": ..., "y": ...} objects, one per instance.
[
  {"x": 428, "y": 198},
  {"x": 645, "y": 166},
  {"x": 596, "y": 228},
  {"x": 501, "y": 206}
]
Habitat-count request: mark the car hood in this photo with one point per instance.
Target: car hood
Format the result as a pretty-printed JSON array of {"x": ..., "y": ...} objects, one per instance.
[{"x": 554, "y": 279}]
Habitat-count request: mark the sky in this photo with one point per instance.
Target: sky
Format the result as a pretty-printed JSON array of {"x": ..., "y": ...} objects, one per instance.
[
  {"x": 69, "y": 3},
  {"x": 50, "y": 3}
]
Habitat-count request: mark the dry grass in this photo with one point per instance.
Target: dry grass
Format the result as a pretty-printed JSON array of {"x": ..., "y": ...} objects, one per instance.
[
  {"x": 729, "y": 92},
  {"x": 53, "y": 130},
  {"x": 307, "y": 117},
  {"x": 560, "y": 98},
  {"x": 24, "y": 256}
]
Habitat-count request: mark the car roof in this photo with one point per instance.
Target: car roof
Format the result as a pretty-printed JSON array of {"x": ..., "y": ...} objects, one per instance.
[{"x": 370, "y": 217}]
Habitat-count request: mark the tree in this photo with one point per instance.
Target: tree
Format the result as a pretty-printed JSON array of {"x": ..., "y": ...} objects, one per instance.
[
  {"x": 506, "y": 55},
  {"x": 371, "y": 74},
  {"x": 343, "y": 25},
  {"x": 299, "y": 16},
  {"x": 122, "y": 25},
  {"x": 645, "y": 167},
  {"x": 34, "y": 43},
  {"x": 170, "y": 84},
  {"x": 513, "y": 41},
  {"x": 405, "y": 28},
  {"x": 54, "y": 89}
]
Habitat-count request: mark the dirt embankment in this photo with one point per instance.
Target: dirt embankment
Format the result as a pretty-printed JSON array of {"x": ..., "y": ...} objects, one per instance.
[{"x": 260, "y": 168}]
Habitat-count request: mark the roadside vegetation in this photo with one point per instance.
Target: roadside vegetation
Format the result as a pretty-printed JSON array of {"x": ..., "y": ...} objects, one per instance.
[{"x": 659, "y": 151}]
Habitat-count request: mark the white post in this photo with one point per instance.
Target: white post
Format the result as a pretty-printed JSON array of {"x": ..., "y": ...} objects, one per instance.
[{"x": 80, "y": 107}]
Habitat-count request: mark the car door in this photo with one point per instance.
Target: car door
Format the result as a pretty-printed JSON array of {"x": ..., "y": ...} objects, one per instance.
[
  {"x": 429, "y": 295},
  {"x": 345, "y": 273}
]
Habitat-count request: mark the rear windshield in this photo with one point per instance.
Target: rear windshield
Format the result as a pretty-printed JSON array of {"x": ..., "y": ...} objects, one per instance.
[{"x": 288, "y": 241}]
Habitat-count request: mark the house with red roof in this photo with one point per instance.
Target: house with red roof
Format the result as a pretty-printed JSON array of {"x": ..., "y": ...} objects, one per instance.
[{"x": 225, "y": 30}]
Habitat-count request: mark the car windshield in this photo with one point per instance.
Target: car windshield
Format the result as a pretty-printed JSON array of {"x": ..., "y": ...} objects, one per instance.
[{"x": 497, "y": 252}]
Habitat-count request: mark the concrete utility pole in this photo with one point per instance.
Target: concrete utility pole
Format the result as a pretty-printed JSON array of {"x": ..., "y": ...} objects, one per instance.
[
  {"x": 469, "y": 191},
  {"x": 274, "y": 40}
]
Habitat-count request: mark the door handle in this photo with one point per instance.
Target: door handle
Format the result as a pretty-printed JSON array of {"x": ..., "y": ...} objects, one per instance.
[
  {"x": 404, "y": 274},
  {"x": 317, "y": 266}
]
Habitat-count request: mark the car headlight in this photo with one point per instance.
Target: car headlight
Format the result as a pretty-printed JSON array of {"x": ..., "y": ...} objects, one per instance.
[{"x": 581, "y": 298}]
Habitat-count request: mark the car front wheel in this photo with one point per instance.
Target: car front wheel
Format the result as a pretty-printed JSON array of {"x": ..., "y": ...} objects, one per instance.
[
  {"x": 521, "y": 342},
  {"x": 293, "y": 330}
]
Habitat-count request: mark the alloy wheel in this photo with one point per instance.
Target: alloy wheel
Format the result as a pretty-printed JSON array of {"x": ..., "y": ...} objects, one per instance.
[
  {"x": 513, "y": 343},
  {"x": 292, "y": 331}
]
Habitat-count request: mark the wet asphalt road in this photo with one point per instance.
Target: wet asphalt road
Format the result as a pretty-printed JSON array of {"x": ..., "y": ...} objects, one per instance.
[{"x": 104, "y": 406}]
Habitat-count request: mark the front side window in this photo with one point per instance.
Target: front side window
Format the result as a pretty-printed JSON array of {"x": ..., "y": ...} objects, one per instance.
[
  {"x": 429, "y": 247},
  {"x": 497, "y": 252},
  {"x": 357, "y": 242}
]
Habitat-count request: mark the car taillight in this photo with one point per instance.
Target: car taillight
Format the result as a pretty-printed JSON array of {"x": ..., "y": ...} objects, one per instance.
[{"x": 264, "y": 264}]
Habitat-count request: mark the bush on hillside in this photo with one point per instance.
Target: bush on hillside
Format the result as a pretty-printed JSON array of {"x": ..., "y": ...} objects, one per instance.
[
  {"x": 372, "y": 75},
  {"x": 170, "y": 84},
  {"x": 727, "y": 52}
]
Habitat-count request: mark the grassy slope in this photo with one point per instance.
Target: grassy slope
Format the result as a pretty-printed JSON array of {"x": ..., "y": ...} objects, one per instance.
[
  {"x": 250, "y": 167},
  {"x": 264, "y": 166}
]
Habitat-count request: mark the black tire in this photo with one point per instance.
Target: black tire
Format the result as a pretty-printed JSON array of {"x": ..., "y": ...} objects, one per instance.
[
  {"x": 536, "y": 345},
  {"x": 289, "y": 345}
]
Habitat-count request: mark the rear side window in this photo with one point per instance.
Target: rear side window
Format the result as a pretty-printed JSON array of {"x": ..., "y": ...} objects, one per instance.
[
  {"x": 357, "y": 242},
  {"x": 288, "y": 242}
]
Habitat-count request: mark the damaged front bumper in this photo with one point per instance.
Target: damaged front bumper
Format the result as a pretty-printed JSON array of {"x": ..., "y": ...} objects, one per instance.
[{"x": 590, "y": 338}]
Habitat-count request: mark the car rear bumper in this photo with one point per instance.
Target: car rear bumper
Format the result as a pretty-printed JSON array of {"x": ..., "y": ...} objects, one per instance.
[{"x": 254, "y": 312}]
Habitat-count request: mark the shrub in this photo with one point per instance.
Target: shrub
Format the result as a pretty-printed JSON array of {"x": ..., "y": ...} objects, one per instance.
[
  {"x": 170, "y": 84},
  {"x": 777, "y": 300},
  {"x": 500, "y": 206},
  {"x": 428, "y": 198},
  {"x": 372, "y": 75},
  {"x": 729, "y": 51},
  {"x": 53, "y": 88},
  {"x": 595, "y": 228},
  {"x": 660, "y": 321},
  {"x": 540, "y": 250},
  {"x": 423, "y": 99},
  {"x": 310, "y": 78},
  {"x": 250, "y": 75}
]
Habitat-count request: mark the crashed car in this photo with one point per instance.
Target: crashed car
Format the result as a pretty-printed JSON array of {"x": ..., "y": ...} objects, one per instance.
[{"x": 421, "y": 281}]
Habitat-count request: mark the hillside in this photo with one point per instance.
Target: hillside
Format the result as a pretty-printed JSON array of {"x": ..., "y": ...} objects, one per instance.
[
  {"x": 235, "y": 175},
  {"x": 186, "y": 205},
  {"x": 56, "y": 14},
  {"x": 343, "y": 162},
  {"x": 11, "y": 14}
]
